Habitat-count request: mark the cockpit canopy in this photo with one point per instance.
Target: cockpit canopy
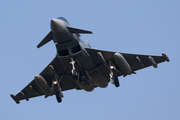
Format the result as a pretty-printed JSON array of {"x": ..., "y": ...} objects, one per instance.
[{"x": 62, "y": 18}]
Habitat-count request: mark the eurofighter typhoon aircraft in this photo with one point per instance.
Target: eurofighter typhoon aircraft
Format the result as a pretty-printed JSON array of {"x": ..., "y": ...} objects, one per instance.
[{"x": 78, "y": 66}]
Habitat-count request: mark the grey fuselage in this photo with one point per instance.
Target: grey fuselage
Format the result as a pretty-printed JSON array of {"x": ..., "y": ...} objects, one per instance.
[{"x": 71, "y": 52}]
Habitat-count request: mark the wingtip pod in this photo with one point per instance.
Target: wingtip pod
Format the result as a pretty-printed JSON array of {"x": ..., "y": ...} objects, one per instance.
[
  {"x": 14, "y": 98},
  {"x": 165, "y": 57}
]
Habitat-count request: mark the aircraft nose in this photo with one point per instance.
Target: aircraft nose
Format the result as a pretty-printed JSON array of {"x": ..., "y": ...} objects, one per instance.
[{"x": 57, "y": 25}]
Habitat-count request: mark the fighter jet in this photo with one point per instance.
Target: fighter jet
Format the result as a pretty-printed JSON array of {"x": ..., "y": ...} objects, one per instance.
[{"x": 78, "y": 66}]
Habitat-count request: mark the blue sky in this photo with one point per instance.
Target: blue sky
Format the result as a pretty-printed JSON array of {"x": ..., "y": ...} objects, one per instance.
[{"x": 141, "y": 27}]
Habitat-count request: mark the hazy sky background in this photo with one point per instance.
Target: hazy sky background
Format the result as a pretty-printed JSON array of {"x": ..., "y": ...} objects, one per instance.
[{"x": 130, "y": 26}]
